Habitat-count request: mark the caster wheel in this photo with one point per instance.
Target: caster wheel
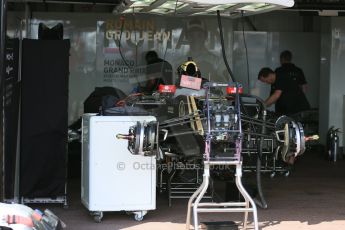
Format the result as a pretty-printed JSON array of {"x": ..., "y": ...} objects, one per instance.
[
  {"x": 66, "y": 206},
  {"x": 272, "y": 175},
  {"x": 97, "y": 216},
  {"x": 138, "y": 217},
  {"x": 97, "y": 219},
  {"x": 287, "y": 173}
]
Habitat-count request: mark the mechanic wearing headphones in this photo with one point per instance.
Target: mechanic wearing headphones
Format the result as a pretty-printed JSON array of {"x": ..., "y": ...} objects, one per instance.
[{"x": 286, "y": 93}]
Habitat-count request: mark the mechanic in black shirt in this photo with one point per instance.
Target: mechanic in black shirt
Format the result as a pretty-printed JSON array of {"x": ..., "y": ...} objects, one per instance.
[
  {"x": 285, "y": 93},
  {"x": 291, "y": 70},
  {"x": 158, "y": 71}
]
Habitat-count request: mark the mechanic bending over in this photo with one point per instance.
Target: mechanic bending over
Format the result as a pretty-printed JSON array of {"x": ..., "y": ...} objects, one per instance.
[
  {"x": 289, "y": 69},
  {"x": 285, "y": 93}
]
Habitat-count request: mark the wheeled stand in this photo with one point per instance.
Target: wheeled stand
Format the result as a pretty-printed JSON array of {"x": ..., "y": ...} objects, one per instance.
[
  {"x": 138, "y": 215},
  {"x": 195, "y": 206},
  {"x": 116, "y": 175},
  {"x": 222, "y": 130}
]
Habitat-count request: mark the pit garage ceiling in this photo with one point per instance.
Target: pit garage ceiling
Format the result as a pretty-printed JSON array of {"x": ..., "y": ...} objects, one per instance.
[
  {"x": 183, "y": 7},
  {"x": 232, "y": 8}
]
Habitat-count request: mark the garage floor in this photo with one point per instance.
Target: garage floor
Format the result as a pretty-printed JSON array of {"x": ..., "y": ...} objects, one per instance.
[{"x": 312, "y": 197}]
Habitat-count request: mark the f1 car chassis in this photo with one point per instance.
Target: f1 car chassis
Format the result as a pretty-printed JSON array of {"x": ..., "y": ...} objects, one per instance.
[{"x": 180, "y": 132}]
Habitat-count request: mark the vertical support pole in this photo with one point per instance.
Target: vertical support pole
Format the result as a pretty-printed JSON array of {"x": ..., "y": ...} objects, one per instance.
[
  {"x": 16, "y": 198},
  {"x": 2, "y": 81},
  {"x": 27, "y": 20}
]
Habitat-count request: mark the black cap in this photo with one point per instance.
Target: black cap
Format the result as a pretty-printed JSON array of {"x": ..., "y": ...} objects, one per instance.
[{"x": 286, "y": 55}]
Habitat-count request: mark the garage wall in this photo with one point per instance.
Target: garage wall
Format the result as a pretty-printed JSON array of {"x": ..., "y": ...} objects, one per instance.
[
  {"x": 325, "y": 70},
  {"x": 337, "y": 74},
  {"x": 278, "y": 33},
  {"x": 14, "y": 24},
  {"x": 281, "y": 21},
  {"x": 92, "y": 51},
  {"x": 264, "y": 49},
  {"x": 332, "y": 81},
  {"x": 309, "y": 38}
]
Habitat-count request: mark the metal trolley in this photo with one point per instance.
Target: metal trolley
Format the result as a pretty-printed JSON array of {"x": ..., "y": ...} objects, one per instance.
[{"x": 223, "y": 125}]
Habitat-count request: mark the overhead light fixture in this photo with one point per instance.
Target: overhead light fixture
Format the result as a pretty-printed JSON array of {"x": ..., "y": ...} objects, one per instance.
[
  {"x": 220, "y": 7},
  {"x": 215, "y": 2},
  {"x": 172, "y": 5},
  {"x": 257, "y": 7},
  {"x": 161, "y": 11},
  {"x": 141, "y": 3},
  {"x": 133, "y": 10},
  {"x": 285, "y": 3},
  {"x": 205, "y": 7}
]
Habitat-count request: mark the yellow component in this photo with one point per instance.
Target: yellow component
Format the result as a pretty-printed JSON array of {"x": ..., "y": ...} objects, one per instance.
[
  {"x": 190, "y": 111},
  {"x": 286, "y": 134},
  {"x": 312, "y": 138},
  {"x": 197, "y": 117},
  {"x": 184, "y": 65}
]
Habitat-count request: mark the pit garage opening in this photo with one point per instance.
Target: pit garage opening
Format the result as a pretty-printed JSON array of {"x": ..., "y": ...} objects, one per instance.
[{"x": 151, "y": 114}]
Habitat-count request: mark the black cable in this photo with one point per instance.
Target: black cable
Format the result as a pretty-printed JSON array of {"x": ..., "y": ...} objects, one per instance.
[
  {"x": 223, "y": 47},
  {"x": 225, "y": 59},
  {"x": 135, "y": 39},
  {"x": 162, "y": 67},
  {"x": 166, "y": 49},
  {"x": 263, "y": 203},
  {"x": 246, "y": 49},
  {"x": 122, "y": 57},
  {"x": 175, "y": 7}
]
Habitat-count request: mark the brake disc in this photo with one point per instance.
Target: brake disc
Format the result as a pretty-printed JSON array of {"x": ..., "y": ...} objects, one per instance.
[
  {"x": 139, "y": 135},
  {"x": 150, "y": 137},
  {"x": 285, "y": 148},
  {"x": 293, "y": 140},
  {"x": 302, "y": 140}
]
